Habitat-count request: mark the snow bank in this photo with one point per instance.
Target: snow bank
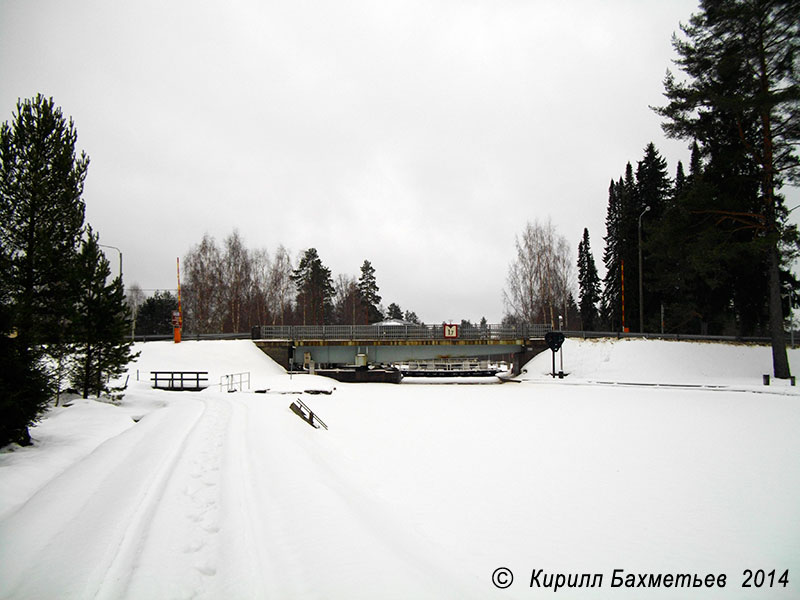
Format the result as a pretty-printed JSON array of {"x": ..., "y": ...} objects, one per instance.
[
  {"x": 218, "y": 357},
  {"x": 65, "y": 436},
  {"x": 659, "y": 361}
]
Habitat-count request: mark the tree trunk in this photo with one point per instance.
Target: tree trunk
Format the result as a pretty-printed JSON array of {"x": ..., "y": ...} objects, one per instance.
[
  {"x": 780, "y": 361},
  {"x": 87, "y": 365}
]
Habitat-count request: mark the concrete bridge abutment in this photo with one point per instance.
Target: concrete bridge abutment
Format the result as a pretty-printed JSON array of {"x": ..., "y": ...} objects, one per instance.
[{"x": 531, "y": 349}]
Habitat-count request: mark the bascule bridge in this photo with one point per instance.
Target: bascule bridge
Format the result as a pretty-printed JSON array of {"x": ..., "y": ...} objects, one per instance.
[{"x": 339, "y": 345}]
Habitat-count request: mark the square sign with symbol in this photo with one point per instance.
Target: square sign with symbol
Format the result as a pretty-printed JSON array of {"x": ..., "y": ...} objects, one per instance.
[{"x": 450, "y": 332}]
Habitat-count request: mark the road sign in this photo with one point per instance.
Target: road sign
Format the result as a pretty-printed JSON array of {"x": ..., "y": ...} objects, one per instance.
[
  {"x": 450, "y": 331},
  {"x": 554, "y": 339}
]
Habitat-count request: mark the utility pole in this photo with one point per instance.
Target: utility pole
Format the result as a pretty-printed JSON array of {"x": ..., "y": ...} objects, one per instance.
[{"x": 641, "y": 275}]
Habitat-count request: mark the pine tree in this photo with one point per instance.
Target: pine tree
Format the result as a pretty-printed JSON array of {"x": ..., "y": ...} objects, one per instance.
[
  {"x": 315, "y": 289},
  {"x": 394, "y": 311},
  {"x": 743, "y": 92},
  {"x": 588, "y": 284},
  {"x": 24, "y": 386},
  {"x": 411, "y": 317},
  {"x": 41, "y": 218},
  {"x": 41, "y": 214},
  {"x": 368, "y": 294},
  {"x": 103, "y": 322}
]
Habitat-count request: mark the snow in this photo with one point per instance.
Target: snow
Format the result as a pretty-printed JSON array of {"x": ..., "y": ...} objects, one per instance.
[
  {"x": 650, "y": 456},
  {"x": 659, "y": 362}
]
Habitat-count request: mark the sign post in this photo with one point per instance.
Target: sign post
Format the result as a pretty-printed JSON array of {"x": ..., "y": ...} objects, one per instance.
[{"x": 554, "y": 339}]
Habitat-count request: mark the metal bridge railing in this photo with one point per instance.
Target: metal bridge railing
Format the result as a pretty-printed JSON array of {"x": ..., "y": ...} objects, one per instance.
[{"x": 397, "y": 332}]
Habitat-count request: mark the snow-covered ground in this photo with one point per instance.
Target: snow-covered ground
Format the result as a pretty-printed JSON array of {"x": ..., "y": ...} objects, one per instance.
[{"x": 415, "y": 491}]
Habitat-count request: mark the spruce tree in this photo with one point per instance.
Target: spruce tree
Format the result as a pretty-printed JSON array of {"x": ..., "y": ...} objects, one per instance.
[
  {"x": 743, "y": 91},
  {"x": 155, "y": 314},
  {"x": 680, "y": 181},
  {"x": 654, "y": 190},
  {"x": 103, "y": 323},
  {"x": 588, "y": 284},
  {"x": 611, "y": 301},
  {"x": 652, "y": 182}
]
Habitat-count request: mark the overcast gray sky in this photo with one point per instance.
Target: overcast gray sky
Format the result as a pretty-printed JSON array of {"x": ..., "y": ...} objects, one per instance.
[{"x": 420, "y": 135}]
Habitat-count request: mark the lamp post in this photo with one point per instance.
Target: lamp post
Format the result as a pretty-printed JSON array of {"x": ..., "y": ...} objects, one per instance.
[
  {"x": 120, "y": 257},
  {"x": 641, "y": 295}
]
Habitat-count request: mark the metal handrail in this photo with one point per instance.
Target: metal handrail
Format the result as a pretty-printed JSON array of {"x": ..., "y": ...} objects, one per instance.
[
  {"x": 232, "y": 380},
  {"x": 312, "y": 416}
]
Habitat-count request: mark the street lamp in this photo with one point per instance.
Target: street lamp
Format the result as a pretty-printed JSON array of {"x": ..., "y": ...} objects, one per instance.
[
  {"x": 641, "y": 295},
  {"x": 120, "y": 257}
]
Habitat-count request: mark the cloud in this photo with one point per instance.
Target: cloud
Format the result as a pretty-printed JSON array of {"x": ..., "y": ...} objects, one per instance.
[{"x": 420, "y": 135}]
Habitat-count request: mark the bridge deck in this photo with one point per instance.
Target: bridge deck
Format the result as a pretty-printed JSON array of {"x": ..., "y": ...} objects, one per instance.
[
  {"x": 401, "y": 334},
  {"x": 389, "y": 344}
]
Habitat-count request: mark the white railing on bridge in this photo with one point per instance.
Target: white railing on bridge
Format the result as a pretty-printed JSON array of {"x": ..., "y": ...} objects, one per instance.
[{"x": 398, "y": 332}]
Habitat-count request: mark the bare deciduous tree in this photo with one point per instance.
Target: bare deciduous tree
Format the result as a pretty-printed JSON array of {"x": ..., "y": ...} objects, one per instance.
[
  {"x": 540, "y": 278},
  {"x": 134, "y": 297},
  {"x": 347, "y": 305},
  {"x": 260, "y": 310},
  {"x": 236, "y": 279},
  {"x": 281, "y": 288},
  {"x": 201, "y": 291}
]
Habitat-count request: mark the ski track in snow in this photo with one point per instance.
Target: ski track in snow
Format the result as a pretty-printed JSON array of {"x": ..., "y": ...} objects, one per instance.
[
  {"x": 148, "y": 522},
  {"x": 112, "y": 495}
]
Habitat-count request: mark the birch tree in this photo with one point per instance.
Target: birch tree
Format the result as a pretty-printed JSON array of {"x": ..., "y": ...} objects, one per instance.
[{"x": 539, "y": 278}]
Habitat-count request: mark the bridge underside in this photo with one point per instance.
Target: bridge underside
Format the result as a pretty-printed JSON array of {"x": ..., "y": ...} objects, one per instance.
[
  {"x": 330, "y": 352},
  {"x": 378, "y": 352}
]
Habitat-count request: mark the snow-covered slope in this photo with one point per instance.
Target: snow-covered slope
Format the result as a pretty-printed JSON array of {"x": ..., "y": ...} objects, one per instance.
[
  {"x": 415, "y": 491},
  {"x": 659, "y": 361},
  {"x": 221, "y": 357}
]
